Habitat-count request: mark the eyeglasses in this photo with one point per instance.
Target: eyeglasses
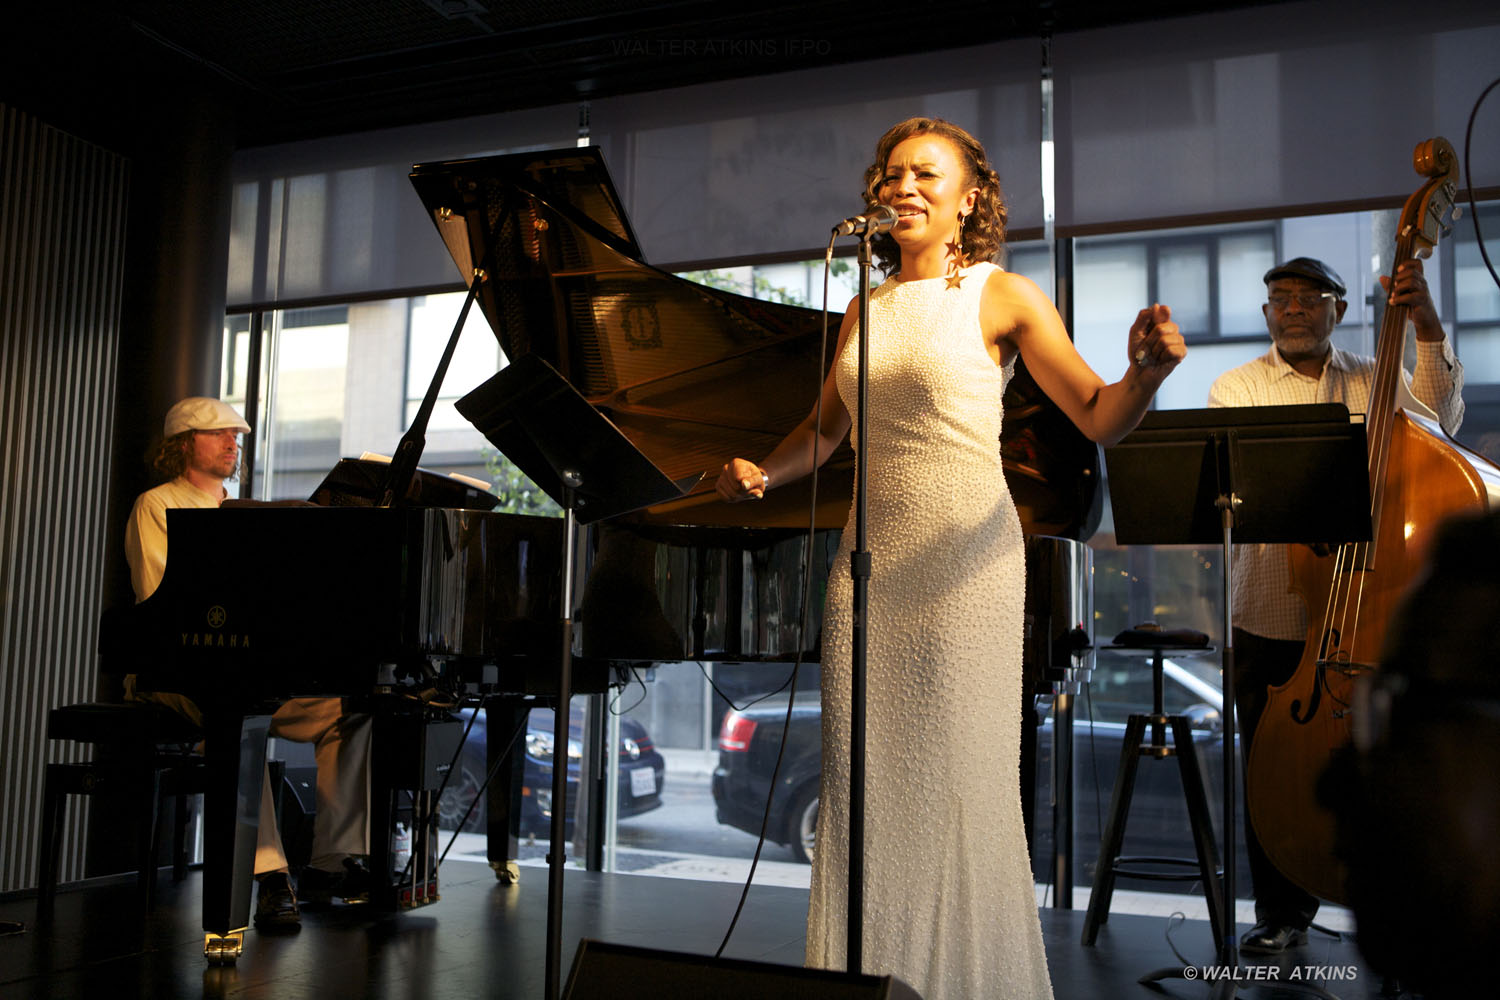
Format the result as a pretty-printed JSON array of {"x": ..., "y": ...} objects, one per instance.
[{"x": 1307, "y": 300}]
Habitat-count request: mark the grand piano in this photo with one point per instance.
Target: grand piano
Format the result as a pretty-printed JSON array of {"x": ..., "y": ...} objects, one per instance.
[
  {"x": 433, "y": 589},
  {"x": 692, "y": 375}
]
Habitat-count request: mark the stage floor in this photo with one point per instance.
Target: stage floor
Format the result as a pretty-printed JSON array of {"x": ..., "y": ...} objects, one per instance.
[{"x": 483, "y": 939}]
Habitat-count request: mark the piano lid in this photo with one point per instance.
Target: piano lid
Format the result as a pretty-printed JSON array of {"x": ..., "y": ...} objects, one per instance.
[{"x": 691, "y": 375}]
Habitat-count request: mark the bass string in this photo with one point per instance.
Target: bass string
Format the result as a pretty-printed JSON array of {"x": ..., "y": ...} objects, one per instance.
[
  {"x": 1388, "y": 365},
  {"x": 1346, "y": 596},
  {"x": 1341, "y": 616}
]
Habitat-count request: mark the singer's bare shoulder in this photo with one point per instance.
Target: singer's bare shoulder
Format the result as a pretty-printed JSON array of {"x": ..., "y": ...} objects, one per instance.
[
  {"x": 1011, "y": 301},
  {"x": 1007, "y": 285}
]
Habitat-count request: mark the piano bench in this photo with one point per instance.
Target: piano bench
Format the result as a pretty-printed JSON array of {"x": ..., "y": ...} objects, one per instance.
[{"x": 143, "y": 755}]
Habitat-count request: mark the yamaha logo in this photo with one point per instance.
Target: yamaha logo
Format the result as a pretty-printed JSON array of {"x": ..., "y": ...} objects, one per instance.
[{"x": 216, "y": 618}]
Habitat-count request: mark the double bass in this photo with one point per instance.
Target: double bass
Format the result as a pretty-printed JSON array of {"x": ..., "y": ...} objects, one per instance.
[{"x": 1419, "y": 477}]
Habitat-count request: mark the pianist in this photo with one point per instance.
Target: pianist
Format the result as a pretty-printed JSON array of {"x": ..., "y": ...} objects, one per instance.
[{"x": 200, "y": 451}]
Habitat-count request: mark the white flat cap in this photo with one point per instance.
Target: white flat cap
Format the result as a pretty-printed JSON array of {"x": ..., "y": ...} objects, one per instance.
[{"x": 203, "y": 413}]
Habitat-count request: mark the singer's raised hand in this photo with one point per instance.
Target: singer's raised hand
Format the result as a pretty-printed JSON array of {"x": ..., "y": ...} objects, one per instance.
[{"x": 1155, "y": 344}]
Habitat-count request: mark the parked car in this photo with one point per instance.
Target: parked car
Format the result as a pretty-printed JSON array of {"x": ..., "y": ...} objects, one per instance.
[
  {"x": 749, "y": 739},
  {"x": 642, "y": 773}
]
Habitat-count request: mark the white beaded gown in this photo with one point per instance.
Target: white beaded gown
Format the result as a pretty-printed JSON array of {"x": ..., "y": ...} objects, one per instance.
[{"x": 949, "y": 901}]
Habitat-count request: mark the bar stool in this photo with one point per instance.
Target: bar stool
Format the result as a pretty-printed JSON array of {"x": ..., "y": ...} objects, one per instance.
[{"x": 1206, "y": 866}]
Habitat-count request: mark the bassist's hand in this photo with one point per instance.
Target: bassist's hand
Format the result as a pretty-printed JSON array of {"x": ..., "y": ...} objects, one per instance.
[{"x": 1410, "y": 290}]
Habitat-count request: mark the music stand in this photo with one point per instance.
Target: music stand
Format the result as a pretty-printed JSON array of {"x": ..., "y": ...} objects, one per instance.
[
  {"x": 1247, "y": 474},
  {"x": 583, "y": 462}
]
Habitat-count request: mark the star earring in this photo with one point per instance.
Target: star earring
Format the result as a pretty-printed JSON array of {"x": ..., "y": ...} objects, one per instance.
[{"x": 956, "y": 252}]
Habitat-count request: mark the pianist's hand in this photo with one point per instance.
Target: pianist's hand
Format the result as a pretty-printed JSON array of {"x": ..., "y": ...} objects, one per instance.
[{"x": 741, "y": 480}]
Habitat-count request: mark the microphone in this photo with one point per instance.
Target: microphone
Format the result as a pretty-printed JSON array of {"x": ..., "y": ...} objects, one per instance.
[{"x": 879, "y": 219}]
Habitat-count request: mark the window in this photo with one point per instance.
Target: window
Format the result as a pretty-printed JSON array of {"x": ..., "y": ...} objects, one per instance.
[
  {"x": 797, "y": 283},
  {"x": 339, "y": 381},
  {"x": 476, "y": 357},
  {"x": 1209, "y": 276},
  {"x": 1475, "y": 326}
]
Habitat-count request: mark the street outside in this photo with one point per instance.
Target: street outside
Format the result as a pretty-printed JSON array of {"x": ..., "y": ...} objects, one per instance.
[{"x": 682, "y": 839}]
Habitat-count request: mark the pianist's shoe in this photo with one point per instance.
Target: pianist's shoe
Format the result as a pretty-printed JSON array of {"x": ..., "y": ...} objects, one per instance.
[
  {"x": 352, "y": 884},
  {"x": 276, "y": 903}
]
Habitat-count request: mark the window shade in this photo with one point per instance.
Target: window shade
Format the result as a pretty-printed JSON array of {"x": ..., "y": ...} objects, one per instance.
[
  {"x": 1267, "y": 107},
  {"x": 768, "y": 165}
]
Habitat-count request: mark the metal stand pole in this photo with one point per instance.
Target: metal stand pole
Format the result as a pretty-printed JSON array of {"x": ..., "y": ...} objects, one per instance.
[
  {"x": 1229, "y": 949},
  {"x": 1226, "y": 986},
  {"x": 859, "y": 571},
  {"x": 557, "y": 849},
  {"x": 1062, "y": 799},
  {"x": 1229, "y": 956}
]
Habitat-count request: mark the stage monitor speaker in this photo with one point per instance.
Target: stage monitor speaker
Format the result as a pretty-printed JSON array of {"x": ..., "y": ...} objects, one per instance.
[{"x": 604, "y": 971}]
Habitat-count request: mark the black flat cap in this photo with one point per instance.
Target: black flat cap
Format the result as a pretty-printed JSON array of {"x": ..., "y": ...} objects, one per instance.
[{"x": 1307, "y": 267}]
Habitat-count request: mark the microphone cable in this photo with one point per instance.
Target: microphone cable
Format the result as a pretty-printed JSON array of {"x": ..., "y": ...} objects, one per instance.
[
  {"x": 807, "y": 577},
  {"x": 1469, "y": 178}
]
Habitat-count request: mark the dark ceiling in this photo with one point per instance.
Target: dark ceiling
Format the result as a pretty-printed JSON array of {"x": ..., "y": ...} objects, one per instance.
[{"x": 291, "y": 69}]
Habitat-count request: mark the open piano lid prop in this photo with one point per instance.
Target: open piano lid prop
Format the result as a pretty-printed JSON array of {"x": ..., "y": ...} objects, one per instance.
[{"x": 691, "y": 375}]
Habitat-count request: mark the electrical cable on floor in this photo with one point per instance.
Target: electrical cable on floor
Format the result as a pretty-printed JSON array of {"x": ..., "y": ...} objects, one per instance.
[{"x": 1175, "y": 920}]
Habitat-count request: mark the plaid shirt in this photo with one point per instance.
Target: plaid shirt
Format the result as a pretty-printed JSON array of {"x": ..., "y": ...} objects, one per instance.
[{"x": 1260, "y": 601}]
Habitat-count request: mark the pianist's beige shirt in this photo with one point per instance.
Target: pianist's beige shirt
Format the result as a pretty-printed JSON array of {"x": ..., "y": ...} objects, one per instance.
[
  {"x": 146, "y": 531},
  {"x": 146, "y": 552}
]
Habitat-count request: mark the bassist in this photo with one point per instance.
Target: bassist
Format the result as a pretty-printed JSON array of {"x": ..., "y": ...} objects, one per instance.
[{"x": 1305, "y": 301}]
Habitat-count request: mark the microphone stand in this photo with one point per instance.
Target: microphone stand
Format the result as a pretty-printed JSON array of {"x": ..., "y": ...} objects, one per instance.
[{"x": 859, "y": 571}]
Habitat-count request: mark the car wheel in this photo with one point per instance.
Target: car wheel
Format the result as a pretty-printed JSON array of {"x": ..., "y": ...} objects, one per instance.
[
  {"x": 462, "y": 789},
  {"x": 802, "y": 822}
]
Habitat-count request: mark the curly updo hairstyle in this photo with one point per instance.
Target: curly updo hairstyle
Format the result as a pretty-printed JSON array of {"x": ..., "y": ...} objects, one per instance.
[{"x": 984, "y": 228}]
